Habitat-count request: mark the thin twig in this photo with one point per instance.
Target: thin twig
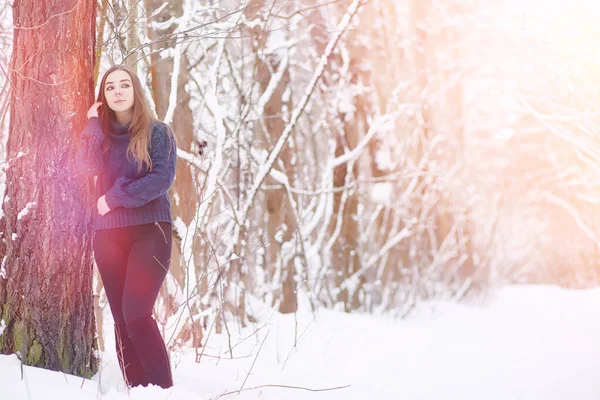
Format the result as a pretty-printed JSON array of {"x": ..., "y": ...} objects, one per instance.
[
  {"x": 254, "y": 362},
  {"x": 284, "y": 387}
]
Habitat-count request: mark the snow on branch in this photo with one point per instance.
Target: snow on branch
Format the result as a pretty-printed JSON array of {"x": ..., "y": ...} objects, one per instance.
[{"x": 262, "y": 173}]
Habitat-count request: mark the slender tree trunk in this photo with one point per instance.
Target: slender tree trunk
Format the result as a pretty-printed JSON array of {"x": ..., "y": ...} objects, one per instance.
[
  {"x": 344, "y": 229},
  {"x": 133, "y": 38},
  {"x": 184, "y": 194},
  {"x": 46, "y": 280},
  {"x": 100, "y": 39},
  {"x": 424, "y": 56},
  {"x": 281, "y": 223}
]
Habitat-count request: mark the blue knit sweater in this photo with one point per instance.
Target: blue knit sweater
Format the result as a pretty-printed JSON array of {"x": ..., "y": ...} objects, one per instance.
[{"x": 133, "y": 197}]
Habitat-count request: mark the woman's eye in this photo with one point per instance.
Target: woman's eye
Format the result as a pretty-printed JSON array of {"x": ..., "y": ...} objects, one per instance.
[
  {"x": 109, "y": 88},
  {"x": 126, "y": 85}
]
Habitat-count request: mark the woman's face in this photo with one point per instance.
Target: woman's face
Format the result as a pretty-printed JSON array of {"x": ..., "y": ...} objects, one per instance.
[{"x": 118, "y": 90}]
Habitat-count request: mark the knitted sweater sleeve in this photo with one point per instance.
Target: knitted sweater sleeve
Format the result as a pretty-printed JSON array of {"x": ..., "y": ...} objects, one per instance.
[
  {"x": 89, "y": 154},
  {"x": 132, "y": 193}
]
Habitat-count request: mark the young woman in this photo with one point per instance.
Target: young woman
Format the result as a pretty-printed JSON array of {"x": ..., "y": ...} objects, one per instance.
[{"x": 134, "y": 157}]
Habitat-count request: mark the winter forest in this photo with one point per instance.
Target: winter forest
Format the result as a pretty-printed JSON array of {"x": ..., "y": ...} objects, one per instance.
[{"x": 364, "y": 157}]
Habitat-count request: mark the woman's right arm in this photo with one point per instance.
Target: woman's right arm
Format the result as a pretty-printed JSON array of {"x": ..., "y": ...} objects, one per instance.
[{"x": 89, "y": 155}]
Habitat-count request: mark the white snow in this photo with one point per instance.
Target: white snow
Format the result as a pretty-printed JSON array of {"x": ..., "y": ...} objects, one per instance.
[
  {"x": 26, "y": 210},
  {"x": 382, "y": 193},
  {"x": 3, "y": 269},
  {"x": 528, "y": 342}
]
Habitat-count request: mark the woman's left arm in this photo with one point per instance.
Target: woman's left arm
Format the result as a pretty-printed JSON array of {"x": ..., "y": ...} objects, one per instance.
[
  {"x": 132, "y": 193},
  {"x": 88, "y": 160}
]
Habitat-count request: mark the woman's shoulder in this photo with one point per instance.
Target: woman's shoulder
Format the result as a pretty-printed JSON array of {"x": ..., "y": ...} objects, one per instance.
[
  {"x": 161, "y": 130},
  {"x": 161, "y": 134},
  {"x": 160, "y": 127}
]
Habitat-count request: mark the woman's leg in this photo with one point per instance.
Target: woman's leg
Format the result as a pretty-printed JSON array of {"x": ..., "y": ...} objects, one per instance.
[
  {"x": 129, "y": 362},
  {"x": 111, "y": 251},
  {"x": 147, "y": 267}
]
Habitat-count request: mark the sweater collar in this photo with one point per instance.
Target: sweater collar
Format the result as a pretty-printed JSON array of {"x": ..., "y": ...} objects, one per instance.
[{"x": 119, "y": 129}]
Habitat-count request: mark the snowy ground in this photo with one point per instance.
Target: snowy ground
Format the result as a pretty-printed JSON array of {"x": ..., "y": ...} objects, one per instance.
[{"x": 529, "y": 342}]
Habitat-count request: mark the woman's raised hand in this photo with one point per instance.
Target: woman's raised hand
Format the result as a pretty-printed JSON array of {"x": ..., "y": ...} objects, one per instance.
[{"x": 93, "y": 111}]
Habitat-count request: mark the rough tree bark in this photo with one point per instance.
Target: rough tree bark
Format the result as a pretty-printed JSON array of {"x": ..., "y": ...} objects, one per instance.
[{"x": 46, "y": 274}]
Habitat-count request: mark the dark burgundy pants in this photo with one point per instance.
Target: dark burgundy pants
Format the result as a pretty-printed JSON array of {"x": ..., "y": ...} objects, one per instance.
[{"x": 133, "y": 262}]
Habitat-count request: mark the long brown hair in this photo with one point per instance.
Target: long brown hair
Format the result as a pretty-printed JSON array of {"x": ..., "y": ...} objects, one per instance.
[{"x": 140, "y": 128}]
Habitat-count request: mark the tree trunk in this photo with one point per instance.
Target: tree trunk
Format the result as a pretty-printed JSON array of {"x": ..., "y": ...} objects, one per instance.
[
  {"x": 184, "y": 191},
  {"x": 344, "y": 228},
  {"x": 281, "y": 224},
  {"x": 46, "y": 275},
  {"x": 133, "y": 37},
  {"x": 445, "y": 119}
]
